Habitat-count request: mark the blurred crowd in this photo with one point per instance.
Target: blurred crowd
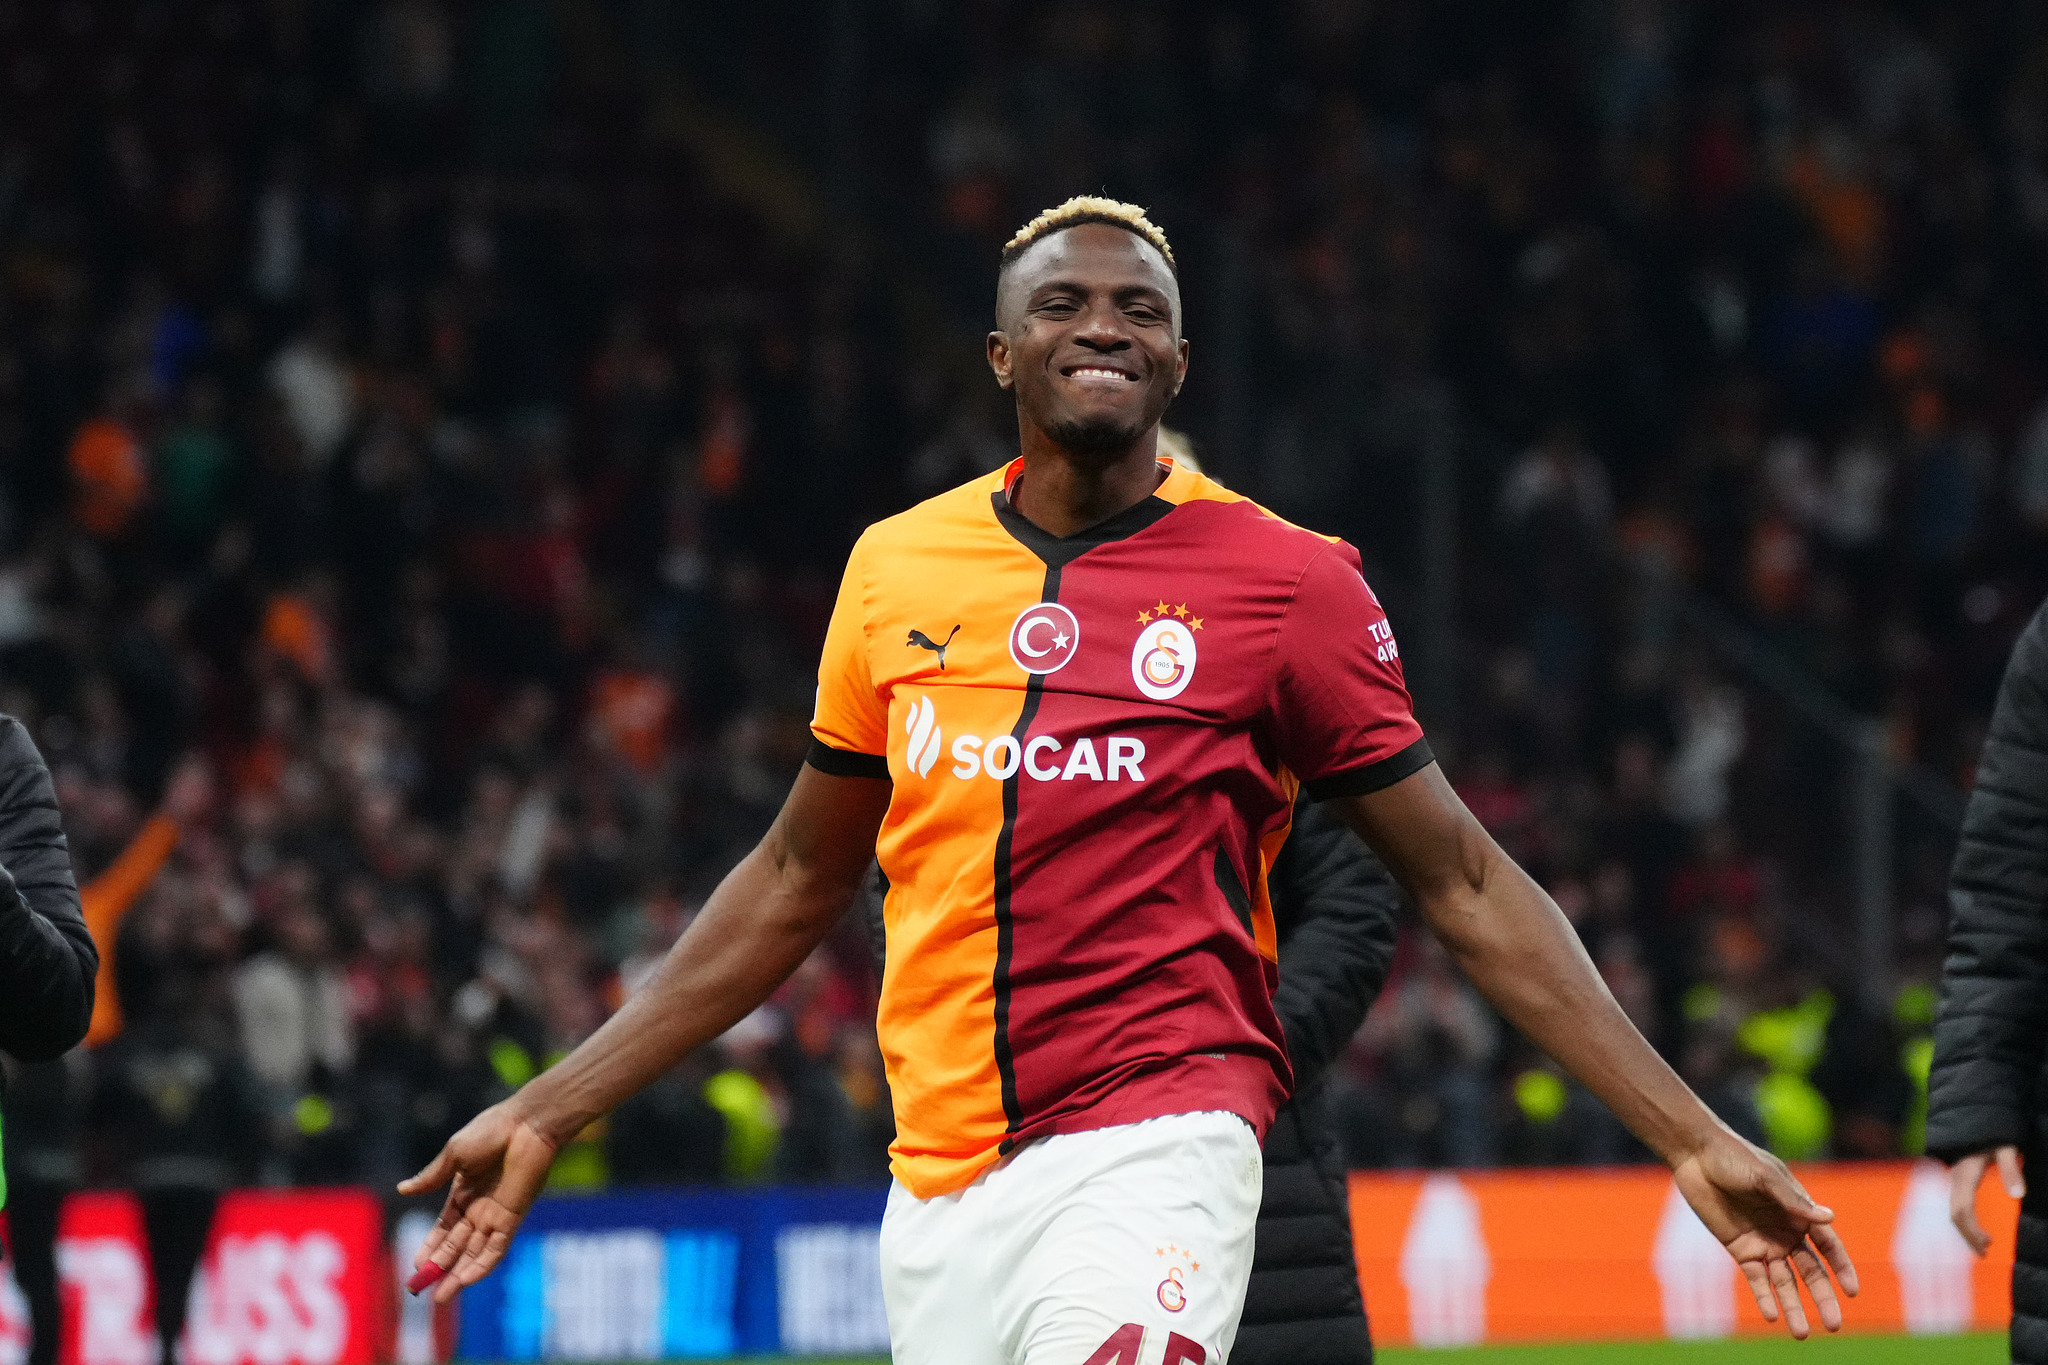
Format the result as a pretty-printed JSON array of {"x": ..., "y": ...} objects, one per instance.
[{"x": 430, "y": 433}]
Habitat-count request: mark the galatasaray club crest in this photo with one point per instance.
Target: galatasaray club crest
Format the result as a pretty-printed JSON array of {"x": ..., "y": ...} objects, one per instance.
[
  {"x": 1179, "y": 1265},
  {"x": 1163, "y": 659}
]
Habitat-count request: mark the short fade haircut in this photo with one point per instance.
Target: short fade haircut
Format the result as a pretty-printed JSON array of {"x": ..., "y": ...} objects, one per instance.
[{"x": 1089, "y": 208}]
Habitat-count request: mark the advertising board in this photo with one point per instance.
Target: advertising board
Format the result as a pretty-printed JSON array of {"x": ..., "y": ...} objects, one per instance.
[
  {"x": 306, "y": 1277},
  {"x": 1455, "y": 1258},
  {"x": 290, "y": 1277},
  {"x": 685, "y": 1275}
]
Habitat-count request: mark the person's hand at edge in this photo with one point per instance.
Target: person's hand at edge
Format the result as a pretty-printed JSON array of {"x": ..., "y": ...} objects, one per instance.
[
  {"x": 494, "y": 1169},
  {"x": 1778, "y": 1236},
  {"x": 1963, "y": 1179}
]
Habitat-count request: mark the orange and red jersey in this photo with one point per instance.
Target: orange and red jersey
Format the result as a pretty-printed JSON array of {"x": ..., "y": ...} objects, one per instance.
[{"x": 1095, "y": 743}]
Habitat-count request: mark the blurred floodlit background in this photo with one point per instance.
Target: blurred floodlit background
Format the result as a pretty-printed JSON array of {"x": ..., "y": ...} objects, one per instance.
[{"x": 449, "y": 419}]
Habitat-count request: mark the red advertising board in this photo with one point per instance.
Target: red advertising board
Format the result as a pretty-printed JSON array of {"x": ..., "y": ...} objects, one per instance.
[{"x": 291, "y": 1277}]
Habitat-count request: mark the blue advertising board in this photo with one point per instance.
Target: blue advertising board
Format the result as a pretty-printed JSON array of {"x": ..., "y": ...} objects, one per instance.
[{"x": 682, "y": 1274}]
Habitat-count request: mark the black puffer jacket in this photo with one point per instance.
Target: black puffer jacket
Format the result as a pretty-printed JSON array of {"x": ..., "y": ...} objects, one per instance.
[
  {"x": 47, "y": 961},
  {"x": 1335, "y": 908},
  {"x": 1988, "y": 1087}
]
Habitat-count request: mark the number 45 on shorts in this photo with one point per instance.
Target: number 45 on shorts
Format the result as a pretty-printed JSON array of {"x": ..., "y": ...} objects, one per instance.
[{"x": 1127, "y": 1341}]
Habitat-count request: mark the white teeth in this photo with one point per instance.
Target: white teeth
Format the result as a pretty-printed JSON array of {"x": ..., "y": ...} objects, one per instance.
[{"x": 1099, "y": 374}]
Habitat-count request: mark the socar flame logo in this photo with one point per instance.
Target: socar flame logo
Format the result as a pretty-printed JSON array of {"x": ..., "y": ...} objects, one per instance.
[{"x": 923, "y": 726}]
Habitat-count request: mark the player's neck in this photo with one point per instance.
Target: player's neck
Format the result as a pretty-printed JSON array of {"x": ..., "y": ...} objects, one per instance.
[{"x": 1062, "y": 495}]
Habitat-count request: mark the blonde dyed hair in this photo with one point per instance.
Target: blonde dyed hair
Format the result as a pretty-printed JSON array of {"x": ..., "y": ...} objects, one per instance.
[{"x": 1089, "y": 208}]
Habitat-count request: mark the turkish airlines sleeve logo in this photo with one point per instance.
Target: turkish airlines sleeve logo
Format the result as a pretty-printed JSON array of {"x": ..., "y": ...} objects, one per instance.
[
  {"x": 922, "y": 725},
  {"x": 1044, "y": 638}
]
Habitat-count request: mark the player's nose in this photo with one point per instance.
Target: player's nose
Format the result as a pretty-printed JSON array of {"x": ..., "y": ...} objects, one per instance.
[
  {"x": 1102, "y": 330},
  {"x": 1104, "y": 344}
]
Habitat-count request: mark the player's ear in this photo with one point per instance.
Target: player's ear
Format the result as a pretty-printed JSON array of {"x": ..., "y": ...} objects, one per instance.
[
  {"x": 1180, "y": 367},
  {"x": 999, "y": 357}
]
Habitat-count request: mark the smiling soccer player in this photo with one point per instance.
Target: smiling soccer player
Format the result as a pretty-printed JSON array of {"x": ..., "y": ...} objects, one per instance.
[{"x": 1076, "y": 804}]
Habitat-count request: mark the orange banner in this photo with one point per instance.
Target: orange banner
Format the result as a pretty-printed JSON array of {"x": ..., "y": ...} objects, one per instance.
[{"x": 1453, "y": 1258}]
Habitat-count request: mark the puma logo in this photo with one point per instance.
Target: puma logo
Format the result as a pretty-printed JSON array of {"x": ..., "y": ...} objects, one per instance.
[{"x": 919, "y": 640}]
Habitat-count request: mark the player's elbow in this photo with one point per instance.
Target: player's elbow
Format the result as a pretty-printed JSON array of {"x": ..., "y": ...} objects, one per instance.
[
  {"x": 1457, "y": 901},
  {"x": 1459, "y": 920},
  {"x": 807, "y": 890},
  {"x": 1463, "y": 876}
]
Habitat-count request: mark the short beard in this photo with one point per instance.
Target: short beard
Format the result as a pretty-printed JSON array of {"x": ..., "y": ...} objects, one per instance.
[
  {"x": 1096, "y": 440},
  {"x": 1100, "y": 441}
]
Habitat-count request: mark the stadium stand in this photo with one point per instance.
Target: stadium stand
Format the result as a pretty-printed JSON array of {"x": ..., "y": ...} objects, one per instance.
[{"x": 449, "y": 421}]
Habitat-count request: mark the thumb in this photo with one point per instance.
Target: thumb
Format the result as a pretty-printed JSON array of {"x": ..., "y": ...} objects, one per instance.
[
  {"x": 433, "y": 1177},
  {"x": 1962, "y": 1202},
  {"x": 2009, "y": 1173},
  {"x": 1793, "y": 1196}
]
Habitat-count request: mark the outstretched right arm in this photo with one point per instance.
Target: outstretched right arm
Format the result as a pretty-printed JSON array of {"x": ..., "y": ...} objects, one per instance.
[{"x": 761, "y": 922}]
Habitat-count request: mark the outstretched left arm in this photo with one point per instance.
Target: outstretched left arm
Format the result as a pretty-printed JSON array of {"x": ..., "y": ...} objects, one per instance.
[{"x": 1518, "y": 948}]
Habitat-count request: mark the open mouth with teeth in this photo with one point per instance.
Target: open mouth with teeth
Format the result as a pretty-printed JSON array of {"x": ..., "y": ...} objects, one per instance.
[{"x": 1099, "y": 374}]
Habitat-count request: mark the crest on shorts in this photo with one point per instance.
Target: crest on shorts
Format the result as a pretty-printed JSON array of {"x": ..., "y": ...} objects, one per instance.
[{"x": 1179, "y": 1265}]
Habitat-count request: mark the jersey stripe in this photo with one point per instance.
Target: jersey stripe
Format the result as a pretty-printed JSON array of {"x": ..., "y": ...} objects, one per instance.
[{"x": 1006, "y": 1061}]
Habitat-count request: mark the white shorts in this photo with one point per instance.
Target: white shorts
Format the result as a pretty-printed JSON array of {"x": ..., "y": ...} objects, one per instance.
[{"x": 1121, "y": 1246}]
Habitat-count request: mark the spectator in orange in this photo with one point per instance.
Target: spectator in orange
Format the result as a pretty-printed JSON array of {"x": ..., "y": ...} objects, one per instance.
[
  {"x": 632, "y": 713},
  {"x": 108, "y": 897},
  {"x": 109, "y": 479},
  {"x": 295, "y": 627}
]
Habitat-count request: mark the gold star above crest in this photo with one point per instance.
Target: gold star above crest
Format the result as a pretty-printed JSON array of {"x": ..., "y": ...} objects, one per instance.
[
  {"x": 1181, "y": 611},
  {"x": 1163, "y": 609},
  {"x": 1194, "y": 623},
  {"x": 1144, "y": 618}
]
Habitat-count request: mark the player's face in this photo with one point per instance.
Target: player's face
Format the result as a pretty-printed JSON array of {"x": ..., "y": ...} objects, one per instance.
[{"x": 1091, "y": 343}]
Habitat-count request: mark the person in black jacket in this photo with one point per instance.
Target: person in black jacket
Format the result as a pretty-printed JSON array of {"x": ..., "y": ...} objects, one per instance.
[
  {"x": 47, "y": 961},
  {"x": 47, "y": 966},
  {"x": 1335, "y": 910},
  {"x": 175, "y": 1116},
  {"x": 1987, "y": 1101}
]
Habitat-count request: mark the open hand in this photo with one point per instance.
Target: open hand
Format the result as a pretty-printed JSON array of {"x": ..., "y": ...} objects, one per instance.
[
  {"x": 494, "y": 1169},
  {"x": 1775, "y": 1232},
  {"x": 1964, "y": 1178}
]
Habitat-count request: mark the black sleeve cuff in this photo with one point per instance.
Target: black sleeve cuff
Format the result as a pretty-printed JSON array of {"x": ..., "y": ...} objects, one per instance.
[
  {"x": 1375, "y": 776},
  {"x": 845, "y": 762}
]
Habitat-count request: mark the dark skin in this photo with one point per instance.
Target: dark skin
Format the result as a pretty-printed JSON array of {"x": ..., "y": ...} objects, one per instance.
[{"x": 1089, "y": 341}]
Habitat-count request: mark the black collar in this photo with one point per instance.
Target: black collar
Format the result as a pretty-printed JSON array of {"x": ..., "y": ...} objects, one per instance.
[{"x": 1060, "y": 551}]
